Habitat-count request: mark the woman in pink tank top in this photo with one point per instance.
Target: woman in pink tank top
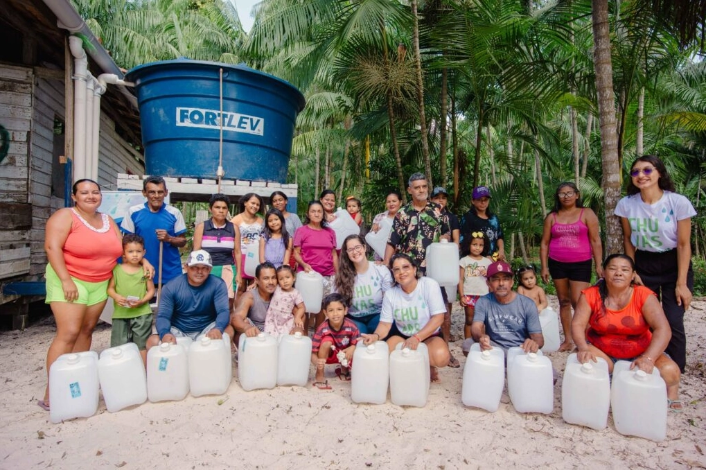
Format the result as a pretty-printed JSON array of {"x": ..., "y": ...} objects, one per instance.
[
  {"x": 570, "y": 241},
  {"x": 82, "y": 248}
]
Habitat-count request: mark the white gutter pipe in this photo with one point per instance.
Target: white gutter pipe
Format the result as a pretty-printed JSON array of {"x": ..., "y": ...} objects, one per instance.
[
  {"x": 98, "y": 90},
  {"x": 80, "y": 76},
  {"x": 90, "y": 124}
]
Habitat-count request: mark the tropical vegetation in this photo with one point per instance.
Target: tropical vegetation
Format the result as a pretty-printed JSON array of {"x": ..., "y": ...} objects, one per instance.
[{"x": 518, "y": 96}]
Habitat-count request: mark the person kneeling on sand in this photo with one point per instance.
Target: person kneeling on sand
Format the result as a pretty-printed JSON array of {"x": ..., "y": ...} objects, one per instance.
[
  {"x": 334, "y": 341},
  {"x": 252, "y": 306},
  {"x": 192, "y": 304},
  {"x": 504, "y": 318}
]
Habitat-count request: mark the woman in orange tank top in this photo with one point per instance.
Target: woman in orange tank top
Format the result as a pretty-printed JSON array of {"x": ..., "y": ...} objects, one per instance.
[
  {"x": 82, "y": 248},
  {"x": 619, "y": 320}
]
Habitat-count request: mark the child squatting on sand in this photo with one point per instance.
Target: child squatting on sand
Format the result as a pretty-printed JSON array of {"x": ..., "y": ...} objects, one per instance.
[
  {"x": 286, "y": 312},
  {"x": 334, "y": 341},
  {"x": 528, "y": 286}
]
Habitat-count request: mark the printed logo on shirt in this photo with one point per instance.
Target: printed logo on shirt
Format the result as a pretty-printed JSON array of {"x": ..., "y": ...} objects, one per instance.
[{"x": 644, "y": 231}]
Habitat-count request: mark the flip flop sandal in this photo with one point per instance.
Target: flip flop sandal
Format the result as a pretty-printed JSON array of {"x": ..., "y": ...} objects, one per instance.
[
  {"x": 676, "y": 406},
  {"x": 42, "y": 405},
  {"x": 345, "y": 376},
  {"x": 322, "y": 385}
]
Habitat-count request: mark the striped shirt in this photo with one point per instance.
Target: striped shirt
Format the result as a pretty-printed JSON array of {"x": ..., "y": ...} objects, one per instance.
[
  {"x": 342, "y": 338},
  {"x": 219, "y": 242}
]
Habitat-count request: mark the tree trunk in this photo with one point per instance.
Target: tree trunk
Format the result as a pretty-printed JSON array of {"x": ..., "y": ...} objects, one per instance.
[
  {"x": 492, "y": 157},
  {"x": 327, "y": 167},
  {"x": 396, "y": 150},
  {"x": 639, "y": 123},
  {"x": 512, "y": 251},
  {"x": 541, "y": 186},
  {"x": 316, "y": 173},
  {"x": 343, "y": 171},
  {"x": 477, "y": 154},
  {"x": 523, "y": 252},
  {"x": 443, "y": 132},
  {"x": 611, "y": 171},
  {"x": 587, "y": 144},
  {"x": 421, "y": 94},
  {"x": 575, "y": 144},
  {"x": 455, "y": 151}
]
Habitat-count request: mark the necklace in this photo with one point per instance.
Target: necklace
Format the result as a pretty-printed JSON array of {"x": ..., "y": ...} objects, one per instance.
[{"x": 104, "y": 219}]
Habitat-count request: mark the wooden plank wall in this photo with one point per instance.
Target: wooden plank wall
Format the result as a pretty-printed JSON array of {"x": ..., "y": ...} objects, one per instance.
[
  {"x": 15, "y": 210},
  {"x": 48, "y": 103},
  {"x": 116, "y": 156}
]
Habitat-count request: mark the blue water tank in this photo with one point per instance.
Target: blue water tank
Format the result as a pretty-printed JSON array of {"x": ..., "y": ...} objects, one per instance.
[{"x": 179, "y": 114}]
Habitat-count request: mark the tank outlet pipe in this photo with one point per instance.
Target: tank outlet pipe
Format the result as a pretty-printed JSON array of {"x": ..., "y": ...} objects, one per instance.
[
  {"x": 79, "y": 77},
  {"x": 88, "y": 135},
  {"x": 105, "y": 79}
]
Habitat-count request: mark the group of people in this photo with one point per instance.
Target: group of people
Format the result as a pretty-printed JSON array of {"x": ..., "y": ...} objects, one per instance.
[{"x": 634, "y": 312}]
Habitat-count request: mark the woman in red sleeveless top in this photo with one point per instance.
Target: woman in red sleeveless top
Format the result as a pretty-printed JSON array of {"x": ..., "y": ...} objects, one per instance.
[
  {"x": 82, "y": 247},
  {"x": 617, "y": 319}
]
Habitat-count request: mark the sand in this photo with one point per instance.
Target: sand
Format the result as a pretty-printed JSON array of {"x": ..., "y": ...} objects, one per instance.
[{"x": 293, "y": 427}]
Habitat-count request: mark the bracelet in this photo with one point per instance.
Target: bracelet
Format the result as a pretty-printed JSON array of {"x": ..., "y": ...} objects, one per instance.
[
  {"x": 377, "y": 336},
  {"x": 417, "y": 337}
]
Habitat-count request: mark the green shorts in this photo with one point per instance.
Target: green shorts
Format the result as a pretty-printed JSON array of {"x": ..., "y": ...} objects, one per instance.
[
  {"x": 131, "y": 330},
  {"x": 90, "y": 293}
]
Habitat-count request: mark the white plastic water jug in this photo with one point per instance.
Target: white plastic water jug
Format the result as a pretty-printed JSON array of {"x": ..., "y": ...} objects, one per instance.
[
  {"x": 484, "y": 377},
  {"x": 639, "y": 402},
  {"x": 209, "y": 367},
  {"x": 443, "y": 262},
  {"x": 344, "y": 225},
  {"x": 73, "y": 386},
  {"x": 530, "y": 384},
  {"x": 511, "y": 355},
  {"x": 409, "y": 376},
  {"x": 257, "y": 362},
  {"x": 121, "y": 373},
  {"x": 370, "y": 373},
  {"x": 167, "y": 372},
  {"x": 550, "y": 324},
  {"x": 293, "y": 360},
  {"x": 184, "y": 341},
  {"x": 252, "y": 258},
  {"x": 585, "y": 393},
  {"x": 311, "y": 286},
  {"x": 379, "y": 240}
]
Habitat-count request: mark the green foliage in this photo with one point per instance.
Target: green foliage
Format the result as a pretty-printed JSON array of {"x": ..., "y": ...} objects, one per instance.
[{"x": 698, "y": 266}]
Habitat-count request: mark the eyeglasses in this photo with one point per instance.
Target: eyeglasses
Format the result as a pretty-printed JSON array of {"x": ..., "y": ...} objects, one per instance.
[
  {"x": 646, "y": 171},
  {"x": 566, "y": 194},
  {"x": 354, "y": 249}
]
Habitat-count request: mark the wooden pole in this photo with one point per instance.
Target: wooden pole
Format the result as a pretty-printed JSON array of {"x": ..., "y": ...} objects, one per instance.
[{"x": 159, "y": 276}]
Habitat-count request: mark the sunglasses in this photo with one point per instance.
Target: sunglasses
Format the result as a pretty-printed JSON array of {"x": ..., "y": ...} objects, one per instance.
[
  {"x": 646, "y": 171},
  {"x": 523, "y": 269}
]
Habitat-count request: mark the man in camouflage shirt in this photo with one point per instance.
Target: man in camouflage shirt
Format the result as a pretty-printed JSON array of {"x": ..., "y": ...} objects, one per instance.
[{"x": 417, "y": 224}]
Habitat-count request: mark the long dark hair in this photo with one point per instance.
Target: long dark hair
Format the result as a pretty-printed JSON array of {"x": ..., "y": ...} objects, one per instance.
[
  {"x": 487, "y": 242},
  {"x": 346, "y": 277},
  {"x": 306, "y": 220},
  {"x": 664, "y": 182},
  {"x": 283, "y": 231},
  {"x": 603, "y": 290},
  {"x": 566, "y": 184},
  {"x": 410, "y": 260},
  {"x": 247, "y": 197}
]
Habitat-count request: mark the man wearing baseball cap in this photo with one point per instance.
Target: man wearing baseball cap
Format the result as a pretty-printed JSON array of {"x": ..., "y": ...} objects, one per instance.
[
  {"x": 503, "y": 318},
  {"x": 192, "y": 304}
]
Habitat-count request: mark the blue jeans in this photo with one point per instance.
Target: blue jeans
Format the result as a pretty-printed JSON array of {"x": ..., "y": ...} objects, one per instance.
[{"x": 366, "y": 324}]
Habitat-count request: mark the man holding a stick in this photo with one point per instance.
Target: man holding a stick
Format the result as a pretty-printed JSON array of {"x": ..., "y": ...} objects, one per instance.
[{"x": 161, "y": 226}]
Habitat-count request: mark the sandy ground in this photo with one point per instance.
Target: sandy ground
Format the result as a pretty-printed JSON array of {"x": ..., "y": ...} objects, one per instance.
[{"x": 292, "y": 427}]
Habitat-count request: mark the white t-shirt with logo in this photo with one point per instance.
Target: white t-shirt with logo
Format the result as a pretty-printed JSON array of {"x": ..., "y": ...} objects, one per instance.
[
  {"x": 475, "y": 275},
  {"x": 412, "y": 311},
  {"x": 368, "y": 291},
  {"x": 654, "y": 227}
]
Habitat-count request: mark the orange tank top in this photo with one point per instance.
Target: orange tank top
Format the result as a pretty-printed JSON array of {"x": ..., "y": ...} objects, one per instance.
[
  {"x": 91, "y": 254},
  {"x": 621, "y": 334}
]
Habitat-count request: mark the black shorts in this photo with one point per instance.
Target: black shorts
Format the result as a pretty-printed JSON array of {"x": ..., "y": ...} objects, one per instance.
[
  {"x": 394, "y": 331},
  {"x": 580, "y": 271}
]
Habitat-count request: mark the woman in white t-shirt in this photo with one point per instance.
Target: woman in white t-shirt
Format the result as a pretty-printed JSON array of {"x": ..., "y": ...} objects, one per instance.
[
  {"x": 362, "y": 284},
  {"x": 656, "y": 225},
  {"x": 413, "y": 312}
]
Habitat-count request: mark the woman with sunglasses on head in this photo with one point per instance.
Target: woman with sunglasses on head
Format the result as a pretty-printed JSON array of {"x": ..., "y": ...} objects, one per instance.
[
  {"x": 570, "y": 240},
  {"x": 656, "y": 225},
  {"x": 362, "y": 283}
]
